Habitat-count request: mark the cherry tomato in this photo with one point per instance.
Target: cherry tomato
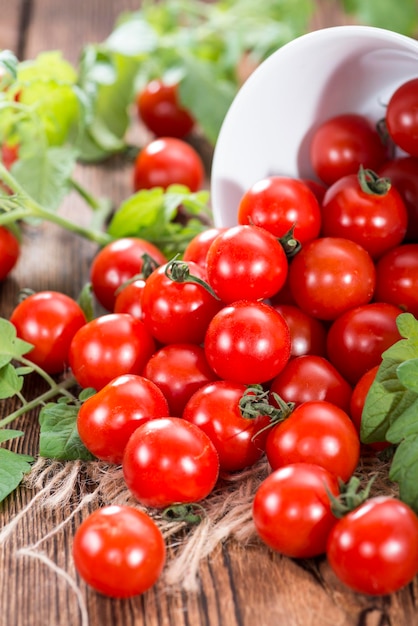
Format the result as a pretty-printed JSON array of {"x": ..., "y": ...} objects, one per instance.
[
  {"x": 216, "y": 409},
  {"x": 402, "y": 116},
  {"x": 179, "y": 370},
  {"x": 48, "y": 320},
  {"x": 331, "y": 275},
  {"x": 308, "y": 335},
  {"x": 168, "y": 161},
  {"x": 317, "y": 188},
  {"x": 129, "y": 299},
  {"x": 107, "y": 419},
  {"x": 397, "y": 278},
  {"x": 247, "y": 342},
  {"x": 197, "y": 248},
  {"x": 119, "y": 551},
  {"x": 9, "y": 251},
  {"x": 117, "y": 263},
  {"x": 246, "y": 262},
  {"x": 278, "y": 203},
  {"x": 357, "y": 339},
  {"x": 169, "y": 461},
  {"x": 374, "y": 548},
  {"x": 160, "y": 110},
  {"x": 292, "y": 510},
  {"x": 109, "y": 346},
  {"x": 365, "y": 209},
  {"x": 316, "y": 432},
  {"x": 311, "y": 377},
  {"x": 177, "y": 312},
  {"x": 9, "y": 154},
  {"x": 403, "y": 175},
  {"x": 340, "y": 144}
]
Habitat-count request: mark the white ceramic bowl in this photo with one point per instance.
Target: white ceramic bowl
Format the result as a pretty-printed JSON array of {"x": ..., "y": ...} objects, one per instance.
[{"x": 268, "y": 126}]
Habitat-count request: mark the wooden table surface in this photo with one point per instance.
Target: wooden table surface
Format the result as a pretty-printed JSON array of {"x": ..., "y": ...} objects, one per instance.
[{"x": 240, "y": 585}]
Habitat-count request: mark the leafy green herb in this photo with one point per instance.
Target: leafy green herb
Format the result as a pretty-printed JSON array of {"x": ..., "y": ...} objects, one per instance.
[
  {"x": 13, "y": 467},
  {"x": 59, "y": 438},
  {"x": 391, "y": 408}
]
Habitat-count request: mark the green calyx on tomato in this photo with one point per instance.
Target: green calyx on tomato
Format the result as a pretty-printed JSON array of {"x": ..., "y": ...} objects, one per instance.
[{"x": 372, "y": 183}]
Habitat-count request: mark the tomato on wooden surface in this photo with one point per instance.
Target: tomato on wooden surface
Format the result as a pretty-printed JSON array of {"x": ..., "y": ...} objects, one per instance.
[
  {"x": 170, "y": 461},
  {"x": 216, "y": 409},
  {"x": 9, "y": 251},
  {"x": 292, "y": 509},
  {"x": 109, "y": 346},
  {"x": 316, "y": 432},
  {"x": 107, "y": 419},
  {"x": 178, "y": 312},
  {"x": 197, "y": 248},
  {"x": 160, "y": 110},
  {"x": 247, "y": 342},
  {"x": 118, "y": 262},
  {"x": 357, "y": 339},
  {"x": 374, "y": 548},
  {"x": 311, "y": 377},
  {"x": 308, "y": 335},
  {"x": 331, "y": 275},
  {"x": 246, "y": 262},
  {"x": 397, "y": 278},
  {"x": 402, "y": 116},
  {"x": 403, "y": 175},
  {"x": 342, "y": 143},
  {"x": 129, "y": 298},
  {"x": 119, "y": 551},
  {"x": 168, "y": 161},
  {"x": 279, "y": 203},
  {"x": 179, "y": 369},
  {"x": 366, "y": 209},
  {"x": 48, "y": 320}
]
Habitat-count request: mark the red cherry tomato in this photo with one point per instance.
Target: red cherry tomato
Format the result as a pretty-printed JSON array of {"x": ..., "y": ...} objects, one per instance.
[
  {"x": 109, "y": 346},
  {"x": 316, "y": 432},
  {"x": 48, "y": 320},
  {"x": 160, "y": 110},
  {"x": 402, "y": 116},
  {"x": 168, "y": 161},
  {"x": 357, "y": 339},
  {"x": 397, "y": 278},
  {"x": 278, "y": 203},
  {"x": 197, "y": 248},
  {"x": 119, "y": 551},
  {"x": 107, "y": 419},
  {"x": 311, "y": 377},
  {"x": 370, "y": 213},
  {"x": 177, "y": 312},
  {"x": 341, "y": 144},
  {"x": 129, "y": 299},
  {"x": 403, "y": 175},
  {"x": 331, "y": 275},
  {"x": 117, "y": 263},
  {"x": 9, "y": 251},
  {"x": 247, "y": 342},
  {"x": 246, "y": 262},
  {"x": 238, "y": 439},
  {"x": 179, "y": 370},
  {"x": 358, "y": 398},
  {"x": 308, "y": 335},
  {"x": 374, "y": 549},
  {"x": 292, "y": 509},
  {"x": 169, "y": 461}
]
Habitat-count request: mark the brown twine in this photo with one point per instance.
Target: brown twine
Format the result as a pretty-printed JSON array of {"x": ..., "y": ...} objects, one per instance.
[{"x": 228, "y": 512}]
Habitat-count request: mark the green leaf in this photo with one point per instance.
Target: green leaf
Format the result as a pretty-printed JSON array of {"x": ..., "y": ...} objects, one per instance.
[
  {"x": 6, "y": 434},
  {"x": 407, "y": 373},
  {"x": 45, "y": 176},
  {"x": 11, "y": 347},
  {"x": 9, "y": 62},
  {"x": 404, "y": 470},
  {"x": 140, "y": 212},
  {"x": 401, "y": 17},
  {"x": 133, "y": 37},
  {"x": 13, "y": 467},
  {"x": 59, "y": 437},
  {"x": 10, "y": 382}
]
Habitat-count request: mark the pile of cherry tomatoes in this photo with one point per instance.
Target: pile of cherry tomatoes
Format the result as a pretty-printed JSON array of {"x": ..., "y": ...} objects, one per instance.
[{"x": 262, "y": 340}]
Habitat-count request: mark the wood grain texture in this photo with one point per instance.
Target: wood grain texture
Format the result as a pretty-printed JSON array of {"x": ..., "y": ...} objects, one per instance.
[{"x": 239, "y": 585}]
